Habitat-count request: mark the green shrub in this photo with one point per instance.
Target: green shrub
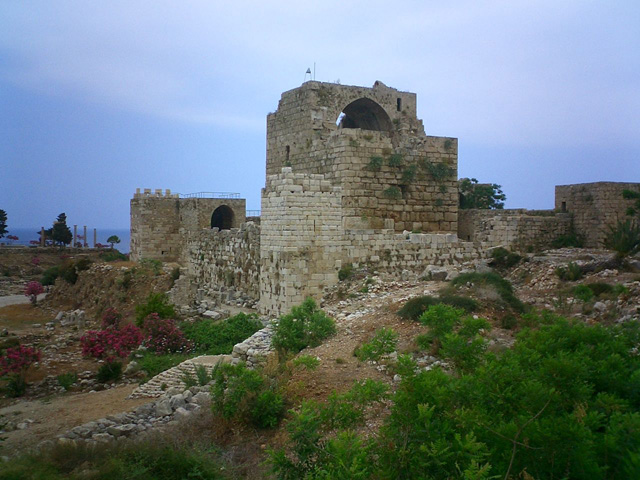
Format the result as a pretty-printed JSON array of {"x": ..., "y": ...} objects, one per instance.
[
  {"x": 67, "y": 379},
  {"x": 624, "y": 238},
  {"x": 416, "y": 306},
  {"x": 502, "y": 286},
  {"x": 572, "y": 239},
  {"x": 345, "y": 272},
  {"x": 16, "y": 385},
  {"x": 375, "y": 164},
  {"x": 305, "y": 326},
  {"x": 242, "y": 394},
  {"x": 384, "y": 341},
  {"x": 213, "y": 338},
  {"x": 508, "y": 322},
  {"x": 503, "y": 258},
  {"x": 395, "y": 160},
  {"x": 189, "y": 380},
  {"x": 109, "y": 372},
  {"x": 267, "y": 409},
  {"x": 441, "y": 319},
  {"x": 465, "y": 353},
  {"x": 156, "y": 303},
  {"x": 571, "y": 272},
  {"x": 202, "y": 375},
  {"x": 583, "y": 292},
  {"x": 313, "y": 452},
  {"x": 409, "y": 174},
  {"x": 49, "y": 276},
  {"x": 154, "y": 265},
  {"x": 392, "y": 193}
]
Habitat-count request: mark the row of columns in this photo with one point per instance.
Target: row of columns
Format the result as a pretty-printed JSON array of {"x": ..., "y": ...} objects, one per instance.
[{"x": 75, "y": 237}]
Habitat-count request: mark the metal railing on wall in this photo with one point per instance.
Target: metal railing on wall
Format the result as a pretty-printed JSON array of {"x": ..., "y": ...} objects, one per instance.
[
  {"x": 253, "y": 213},
  {"x": 210, "y": 195}
]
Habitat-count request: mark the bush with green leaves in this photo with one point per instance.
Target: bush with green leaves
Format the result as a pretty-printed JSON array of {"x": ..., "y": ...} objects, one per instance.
[
  {"x": 503, "y": 258},
  {"x": 571, "y": 239},
  {"x": 624, "y": 238},
  {"x": 415, "y": 307},
  {"x": 307, "y": 361},
  {"x": 564, "y": 402},
  {"x": 109, "y": 372},
  {"x": 384, "y": 342},
  {"x": 305, "y": 326},
  {"x": 583, "y": 293},
  {"x": 156, "y": 303},
  {"x": 212, "y": 337},
  {"x": 571, "y": 272},
  {"x": 245, "y": 395},
  {"x": 313, "y": 451},
  {"x": 490, "y": 279},
  {"x": 345, "y": 272}
]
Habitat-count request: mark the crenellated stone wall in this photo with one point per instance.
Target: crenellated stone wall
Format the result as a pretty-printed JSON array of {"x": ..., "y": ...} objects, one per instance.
[
  {"x": 518, "y": 229},
  {"x": 595, "y": 207}
]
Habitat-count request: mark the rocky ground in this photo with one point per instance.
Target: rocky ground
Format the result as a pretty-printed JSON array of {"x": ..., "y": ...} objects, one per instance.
[{"x": 360, "y": 306}]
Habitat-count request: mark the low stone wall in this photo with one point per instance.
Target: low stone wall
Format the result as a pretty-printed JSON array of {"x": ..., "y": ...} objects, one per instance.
[
  {"x": 517, "y": 228},
  {"x": 224, "y": 265},
  {"x": 394, "y": 253},
  {"x": 255, "y": 349}
]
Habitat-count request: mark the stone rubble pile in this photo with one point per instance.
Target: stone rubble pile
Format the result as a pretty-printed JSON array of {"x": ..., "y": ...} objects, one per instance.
[{"x": 175, "y": 405}]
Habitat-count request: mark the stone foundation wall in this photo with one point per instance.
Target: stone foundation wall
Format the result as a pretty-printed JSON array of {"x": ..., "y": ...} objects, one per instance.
[
  {"x": 224, "y": 264},
  {"x": 393, "y": 253},
  {"x": 300, "y": 241},
  {"x": 595, "y": 207},
  {"x": 518, "y": 229}
]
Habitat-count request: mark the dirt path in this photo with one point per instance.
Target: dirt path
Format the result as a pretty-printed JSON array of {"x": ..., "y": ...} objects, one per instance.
[
  {"x": 44, "y": 419},
  {"x": 17, "y": 299}
]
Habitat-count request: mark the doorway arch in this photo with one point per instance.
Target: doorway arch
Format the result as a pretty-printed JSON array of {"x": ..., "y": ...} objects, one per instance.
[
  {"x": 222, "y": 218},
  {"x": 365, "y": 114}
]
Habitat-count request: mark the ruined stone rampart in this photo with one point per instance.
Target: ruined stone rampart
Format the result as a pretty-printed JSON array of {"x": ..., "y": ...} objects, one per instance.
[
  {"x": 518, "y": 229},
  {"x": 595, "y": 207},
  {"x": 224, "y": 265}
]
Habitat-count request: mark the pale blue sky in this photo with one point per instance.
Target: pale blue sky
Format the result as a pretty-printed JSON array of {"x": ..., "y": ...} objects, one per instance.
[{"x": 98, "y": 98}]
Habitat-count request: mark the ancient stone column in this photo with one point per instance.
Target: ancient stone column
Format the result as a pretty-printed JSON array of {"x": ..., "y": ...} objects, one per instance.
[
  {"x": 75, "y": 235},
  {"x": 84, "y": 240}
]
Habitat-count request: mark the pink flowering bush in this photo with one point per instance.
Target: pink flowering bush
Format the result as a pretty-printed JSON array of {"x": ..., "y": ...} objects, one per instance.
[
  {"x": 111, "y": 318},
  {"x": 35, "y": 261},
  {"x": 111, "y": 342},
  {"x": 32, "y": 290},
  {"x": 164, "y": 336},
  {"x": 14, "y": 365}
]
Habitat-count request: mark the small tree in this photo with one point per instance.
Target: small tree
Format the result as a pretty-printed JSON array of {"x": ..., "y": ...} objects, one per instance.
[
  {"x": 113, "y": 239},
  {"x": 480, "y": 195},
  {"x": 3, "y": 223},
  {"x": 32, "y": 290},
  {"x": 60, "y": 232},
  {"x": 14, "y": 365}
]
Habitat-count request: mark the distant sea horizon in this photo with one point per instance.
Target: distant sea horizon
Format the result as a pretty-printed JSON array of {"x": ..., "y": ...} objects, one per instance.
[{"x": 25, "y": 235}]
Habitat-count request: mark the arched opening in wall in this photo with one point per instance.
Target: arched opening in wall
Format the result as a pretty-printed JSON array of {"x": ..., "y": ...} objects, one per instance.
[
  {"x": 365, "y": 114},
  {"x": 222, "y": 218}
]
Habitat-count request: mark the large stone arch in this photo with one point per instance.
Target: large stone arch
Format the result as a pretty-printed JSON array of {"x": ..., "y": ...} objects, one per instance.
[
  {"x": 365, "y": 114},
  {"x": 222, "y": 218}
]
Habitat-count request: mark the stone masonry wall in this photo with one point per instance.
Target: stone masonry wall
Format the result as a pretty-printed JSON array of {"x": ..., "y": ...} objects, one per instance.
[
  {"x": 595, "y": 207},
  {"x": 388, "y": 169},
  {"x": 154, "y": 226},
  {"x": 157, "y": 217},
  {"x": 393, "y": 253},
  {"x": 301, "y": 239},
  {"x": 517, "y": 229},
  {"x": 224, "y": 264}
]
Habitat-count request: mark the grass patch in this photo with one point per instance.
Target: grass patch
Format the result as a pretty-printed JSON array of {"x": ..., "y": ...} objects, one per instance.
[
  {"x": 153, "y": 364},
  {"x": 123, "y": 461},
  {"x": 217, "y": 337}
]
